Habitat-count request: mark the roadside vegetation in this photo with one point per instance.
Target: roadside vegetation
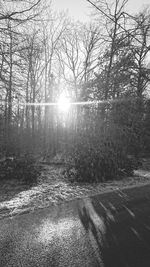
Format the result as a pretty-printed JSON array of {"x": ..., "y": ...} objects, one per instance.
[{"x": 23, "y": 170}]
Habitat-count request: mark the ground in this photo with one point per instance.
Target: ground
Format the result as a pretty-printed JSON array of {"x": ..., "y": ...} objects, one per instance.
[{"x": 53, "y": 188}]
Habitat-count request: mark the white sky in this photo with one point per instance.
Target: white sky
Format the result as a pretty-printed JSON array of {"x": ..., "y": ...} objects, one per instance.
[{"x": 79, "y": 9}]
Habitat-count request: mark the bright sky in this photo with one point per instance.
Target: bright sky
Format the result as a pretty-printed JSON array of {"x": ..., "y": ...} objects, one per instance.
[{"x": 79, "y": 9}]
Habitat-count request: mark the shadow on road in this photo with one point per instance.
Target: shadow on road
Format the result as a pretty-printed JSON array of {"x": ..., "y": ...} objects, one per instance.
[{"x": 119, "y": 235}]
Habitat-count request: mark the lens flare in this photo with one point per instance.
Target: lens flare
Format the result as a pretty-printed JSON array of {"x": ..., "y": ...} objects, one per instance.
[{"x": 64, "y": 104}]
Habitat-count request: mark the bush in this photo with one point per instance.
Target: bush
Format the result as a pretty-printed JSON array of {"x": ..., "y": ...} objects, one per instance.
[
  {"x": 22, "y": 169},
  {"x": 101, "y": 157}
]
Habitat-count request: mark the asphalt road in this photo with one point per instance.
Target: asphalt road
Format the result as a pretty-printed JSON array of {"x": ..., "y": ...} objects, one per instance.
[{"x": 111, "y": 229}]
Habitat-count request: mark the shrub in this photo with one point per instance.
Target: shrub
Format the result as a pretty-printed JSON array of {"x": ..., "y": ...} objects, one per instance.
[
  {"x": 101, "y": 156},
  {"x": 22, "y": 169}
]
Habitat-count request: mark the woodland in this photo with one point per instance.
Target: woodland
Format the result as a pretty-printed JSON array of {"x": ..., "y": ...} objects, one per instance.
[{"x": 78, "y": 90}]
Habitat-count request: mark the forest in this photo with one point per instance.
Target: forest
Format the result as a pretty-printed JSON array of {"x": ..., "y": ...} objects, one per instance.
[{"x": 78, "y": 90}]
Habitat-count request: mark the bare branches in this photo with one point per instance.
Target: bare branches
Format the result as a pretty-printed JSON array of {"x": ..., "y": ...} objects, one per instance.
[
  {"x": 16, "y": 15},
  {"x": 117, "y": 16}
]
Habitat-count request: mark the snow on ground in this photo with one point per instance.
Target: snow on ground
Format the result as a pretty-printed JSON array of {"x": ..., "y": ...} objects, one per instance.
[{"x": 53, "y": 188}]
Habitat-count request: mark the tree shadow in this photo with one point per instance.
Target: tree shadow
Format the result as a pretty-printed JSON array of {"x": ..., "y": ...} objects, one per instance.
[{"x": 100, "y": 221}]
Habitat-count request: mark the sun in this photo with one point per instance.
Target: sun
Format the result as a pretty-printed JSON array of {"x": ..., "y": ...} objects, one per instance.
[{"x": 64, "y": 103}]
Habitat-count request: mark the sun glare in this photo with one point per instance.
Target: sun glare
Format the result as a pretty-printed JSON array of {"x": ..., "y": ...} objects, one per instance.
[{"x": 63, "y": 104}]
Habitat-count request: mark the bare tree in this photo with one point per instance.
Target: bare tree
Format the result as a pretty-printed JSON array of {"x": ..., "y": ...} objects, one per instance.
[
  {"x": 113, "y": 17},
  {"x": 141, "y": 52}
]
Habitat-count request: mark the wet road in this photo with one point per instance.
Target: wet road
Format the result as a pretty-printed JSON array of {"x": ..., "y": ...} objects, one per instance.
[{"x": 112, "y": 229}]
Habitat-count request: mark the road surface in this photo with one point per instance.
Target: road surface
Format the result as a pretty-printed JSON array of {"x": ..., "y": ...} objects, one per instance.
[{"x": 111, "y": 229}]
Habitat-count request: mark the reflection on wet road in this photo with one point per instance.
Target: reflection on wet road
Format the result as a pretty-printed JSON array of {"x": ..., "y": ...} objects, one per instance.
[{"x": 106, "y": 230}]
